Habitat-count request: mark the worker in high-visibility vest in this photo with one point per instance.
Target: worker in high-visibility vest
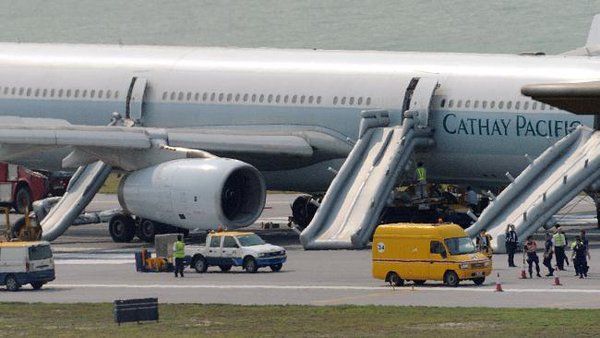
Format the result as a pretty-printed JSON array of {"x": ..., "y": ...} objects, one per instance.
[
  {"x": 421, "y": 187},
  {"x": 179, "y": 254}
]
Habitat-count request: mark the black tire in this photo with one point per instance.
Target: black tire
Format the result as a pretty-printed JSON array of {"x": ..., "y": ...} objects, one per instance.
[
  {"x": 250, "y": 265},
  {"x": 276, "y": 267},
  {"x": 419, "y": 281},
  {"x": 479, "y": 281},
  {"x": 394, "y": 279},
  {"x": 11, "y": 283},
  {"x": 23, "y": 200},
  {"x": 451, "y": 279},
  {"x": 147, "y": 230},
  {"x": 225, "y": 268},
  {"x": 299, "y": 211},
  {"x": 37, "y": 285},
  {"x": 199, "y": 263},
  {"x": 121, "y": 228}
]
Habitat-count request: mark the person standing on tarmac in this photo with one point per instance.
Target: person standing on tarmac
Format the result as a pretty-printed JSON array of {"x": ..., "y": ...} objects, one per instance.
[
  {"x": 559, "y": 248},
  {"x": 179, "y": 254},
  {"x": 421, "y": 187},
  {"x": 511, "y": 240},
  {"x": 548, "y": 251},
  {"x": 532, "y": 257},
  {"x": 580, "y": 256}
]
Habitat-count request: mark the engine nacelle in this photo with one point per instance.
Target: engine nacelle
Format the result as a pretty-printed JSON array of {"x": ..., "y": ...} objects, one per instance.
[{"x": 196, "y": 193}]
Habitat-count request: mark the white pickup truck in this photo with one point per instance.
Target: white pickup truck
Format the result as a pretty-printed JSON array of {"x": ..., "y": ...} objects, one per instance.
[{"x": 229, "y": 248}]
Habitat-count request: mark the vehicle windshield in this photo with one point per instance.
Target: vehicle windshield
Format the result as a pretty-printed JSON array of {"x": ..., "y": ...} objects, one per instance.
[
  {"x": 460, "y": 245},
  {"x": 250, "y": 240},
  {"x": 39, "y": 252}
]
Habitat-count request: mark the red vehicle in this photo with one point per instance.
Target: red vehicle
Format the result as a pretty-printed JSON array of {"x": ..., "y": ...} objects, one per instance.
[{"x": 19, "y": 186}]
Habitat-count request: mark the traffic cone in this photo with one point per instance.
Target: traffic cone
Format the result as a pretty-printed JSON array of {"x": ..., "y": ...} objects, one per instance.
[
  {"x": 498, "y": 283},
  {"x": 556, "y": 279}
]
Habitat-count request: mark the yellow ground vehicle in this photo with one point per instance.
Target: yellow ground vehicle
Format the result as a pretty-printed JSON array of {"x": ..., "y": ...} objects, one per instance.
[{"x": 420, "y": 252}]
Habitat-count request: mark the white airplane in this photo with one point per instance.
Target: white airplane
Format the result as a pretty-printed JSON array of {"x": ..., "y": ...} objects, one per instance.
[{"x": 283, "y": 115}]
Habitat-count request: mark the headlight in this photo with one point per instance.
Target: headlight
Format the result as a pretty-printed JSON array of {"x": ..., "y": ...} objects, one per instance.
[{"x": 463, "y": 265}]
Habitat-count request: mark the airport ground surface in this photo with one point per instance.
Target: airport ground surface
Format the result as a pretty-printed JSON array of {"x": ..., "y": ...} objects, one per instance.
[{"x": 91, "y": 268}]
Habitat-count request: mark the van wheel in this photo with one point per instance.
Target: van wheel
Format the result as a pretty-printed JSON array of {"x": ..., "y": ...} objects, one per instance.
[
  {"x": 11, "y": 283},
  {"x": 250, "y": 265},
  {"x": 479, "y": 281},
  {"x": 394, "y": 279},
  {"x": 419, "y": 282},
  {"x": 199, "y": 263},
  {"x": 37, "y": 285},
  {"x": 451, "y": 279}
]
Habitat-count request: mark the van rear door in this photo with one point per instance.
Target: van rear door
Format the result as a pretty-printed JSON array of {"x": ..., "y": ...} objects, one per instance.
[{"x": 40, "y": 258}]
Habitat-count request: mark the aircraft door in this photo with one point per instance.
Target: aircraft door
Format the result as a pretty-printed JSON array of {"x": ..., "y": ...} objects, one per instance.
[
  {"x": 134, "y": 104},
  {"x": 418, "y": 97}
]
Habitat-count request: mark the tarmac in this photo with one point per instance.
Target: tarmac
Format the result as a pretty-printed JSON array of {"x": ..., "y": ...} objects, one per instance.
[{"x": 91, "y": 268}]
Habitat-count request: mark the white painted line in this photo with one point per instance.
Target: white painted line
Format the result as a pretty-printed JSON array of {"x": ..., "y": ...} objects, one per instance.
[
  {"x": 317, "y": 287},
  {"x": 92, "y": 261}
]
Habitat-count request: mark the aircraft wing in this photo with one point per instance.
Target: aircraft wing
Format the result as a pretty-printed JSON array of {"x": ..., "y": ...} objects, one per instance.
[
  {"x": 577, "y": 97},
  {"x": 131, "y": 148}
]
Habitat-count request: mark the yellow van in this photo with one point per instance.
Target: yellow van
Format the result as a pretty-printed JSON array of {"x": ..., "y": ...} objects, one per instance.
[{"x": 419, "y": 252}]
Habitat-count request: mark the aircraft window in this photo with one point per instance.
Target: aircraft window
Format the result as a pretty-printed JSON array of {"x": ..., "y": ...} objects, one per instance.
[
  {"x": 68, "y": 93},
  {"x": 459, "y": 104},
  {"x": 476, "y": 104},
  {"x": 212, "y": 96},
  {"x": 229, "y": 97},
  {"x": 37, "y": 92},
  {"x": 28, "y": 91},
  {"x": 517, "y": 105},
  {"x": 179, "y": 96},
  {"x": 245, "y": 97},
  {"x": 204, "y": 96},
  {"x": 116, "y": 94},
  {"x": 318, "y": 100},
  {"x": 368, "y": 101},
  {"x": 165, "y": 94},
  {"x": 500, "y": 104},
  {"x": 450, "y": 103},
  {"x": 196, "y": 96},
  {"x": 351, "y": 101},
  {"x": 468, "y": 104},
  {"x": 261, "y": 98},
  {"x": 294, "y": 98},
  {"x": 84, "y": 93},
  {"x": 509, "y": 105},
  {"x": 221, "y": 95},
  {"x": 108, "y": 92},
  {"x": 335, "y": 100},
  {"x": 13, "y": 91},
  {"x": 253, "y": 97},
  {"x": 44, "y": 92},
  {"x": 21, "y": 90},
  {"x": 277, "y": 98},
  {"x": 310, "y": 99},
  {"x": 543, "y": 106},
  {"x": 343, "y": 100},
  {"x": 492, "y": 104},
  {"x": 5, "y": 90},
  {"x": 60, "y": 93},
  {"x": 286, "y": 99},
  {"x": 533, "y": 105},
  {"x": 302, "y": 98},
  {"x": 172, "y": 96},
  {"x": 270, "y": 98},
  {"x": 189, "y": 96},
  {"x": 100, "y": 93},
  {"x": 483, "y": 104},
  {"x": 360, "y": 101},
  {"x": 52, "y": 92},
  {"x": 237, "y": 97},
  {"x": 442, "y": 103},
  {"x": 76, "y": 93}
]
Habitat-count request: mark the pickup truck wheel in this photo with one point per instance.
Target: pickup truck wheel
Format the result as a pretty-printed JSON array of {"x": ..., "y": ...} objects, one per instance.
[
  {"x": 225, "y": 268},
  {"x": 276, "y": 267},
  {"x": 394, "y": 279},
  {"x": 23, "y": 200},
  {"x": 250, "y": 265},
  {"x": 451, "y": 279},
  {"x": 121, "y": 228},
  {"x": 479, "y": 281},
  {"x": 199, "y": 263},
  {"x": 11, "y": 283},
  {"x": 37, "y": 285}
]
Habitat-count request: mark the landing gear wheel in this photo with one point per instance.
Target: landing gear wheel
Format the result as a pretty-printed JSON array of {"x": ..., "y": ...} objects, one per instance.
[
  {"x": 304, "y": 209},
  {"x": 147, "y": 230},
  {"x": 225, "y": 268},
  {"x": 276, "y": 267},
  {"x": 419, "y": 282},
  {"x": 394, "y": 279},
  {"x": 451, "y": 279},
  {"x": 23, "y": 200},
  {"x": 37, "y": 285},
  {"x": 11, "y": 283},
  {"x": 250, "y": 265},
  {"x": 199, "y": 263},
  {"x": 479, "y": 281},
  {"x": 121, "y": 228}
]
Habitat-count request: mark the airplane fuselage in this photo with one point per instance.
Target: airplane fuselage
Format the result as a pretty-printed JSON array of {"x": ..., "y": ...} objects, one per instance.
[{"x": 483, "y": 125}]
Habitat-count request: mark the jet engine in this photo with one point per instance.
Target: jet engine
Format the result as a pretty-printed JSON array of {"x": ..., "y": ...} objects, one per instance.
[{"x": 195, "y": 193}]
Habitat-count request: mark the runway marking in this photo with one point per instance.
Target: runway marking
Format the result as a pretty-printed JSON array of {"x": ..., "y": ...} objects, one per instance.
[
  {"x": 319, "y": 287},
  {"x": 92, "y": 261}
]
